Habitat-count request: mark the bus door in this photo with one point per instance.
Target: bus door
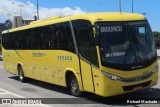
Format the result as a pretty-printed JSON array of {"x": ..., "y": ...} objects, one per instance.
[
  {"x": 88, "y": 58},
  {"x": 87, "y": 53},
  {"x": 84, "y": 55}
]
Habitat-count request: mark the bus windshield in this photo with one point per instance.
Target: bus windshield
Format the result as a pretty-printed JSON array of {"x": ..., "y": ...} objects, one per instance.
[{"x": 126, "y": 45}]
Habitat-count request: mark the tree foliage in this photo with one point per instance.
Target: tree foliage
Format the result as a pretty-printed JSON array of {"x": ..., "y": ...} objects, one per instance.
[{"x": 156, "y": 34}]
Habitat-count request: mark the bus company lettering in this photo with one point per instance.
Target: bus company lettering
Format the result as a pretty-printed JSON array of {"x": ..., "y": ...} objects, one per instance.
[
  {"x": 65, "y": 58},
  {"x": 38, "y": 54},
  {"x": 115, "y": 54},
  {"x": 111, "y": 29}
]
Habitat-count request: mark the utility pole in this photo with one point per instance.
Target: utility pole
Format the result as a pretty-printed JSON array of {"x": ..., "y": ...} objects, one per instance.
[
  {"x": 119, "y": 2},
  {"x": 37, "y": 10},
  {"x": 132, "y": 7}
]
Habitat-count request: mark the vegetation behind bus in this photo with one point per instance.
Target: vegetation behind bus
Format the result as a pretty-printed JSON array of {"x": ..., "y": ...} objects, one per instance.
[{"x": 156, "y": 36}]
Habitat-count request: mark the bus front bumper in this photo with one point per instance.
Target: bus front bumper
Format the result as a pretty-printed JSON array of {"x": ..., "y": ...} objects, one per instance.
[{"x": 112, "y": 87}]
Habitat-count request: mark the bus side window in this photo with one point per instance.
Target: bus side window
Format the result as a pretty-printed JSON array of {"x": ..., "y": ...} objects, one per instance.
[
  {"x": 69, "y": 39},
  {"x": 85, "y": 40},
  {"x": 94, "y": 56},
  {"x": 64, "y": 35},
  {"x": 27, "y": 39},
  {"x": 41, "y": 38},
  {"x": 84, "y": 47},
  {"x": 51, "y": 42},
  {"x": 57, "y": 36},
  {"x": 4, "y": 40},
  {"x": 38, "y": 38}
]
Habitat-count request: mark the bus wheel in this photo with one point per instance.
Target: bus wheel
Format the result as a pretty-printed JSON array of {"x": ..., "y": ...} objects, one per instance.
[
  {"x": 21, "y": 74},
  {"x": 74, "y": 87}
]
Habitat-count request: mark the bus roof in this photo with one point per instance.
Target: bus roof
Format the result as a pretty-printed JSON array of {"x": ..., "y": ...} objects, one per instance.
[
  {"x": 110, "y": 16},
  {"x": 93, "y": 17}
]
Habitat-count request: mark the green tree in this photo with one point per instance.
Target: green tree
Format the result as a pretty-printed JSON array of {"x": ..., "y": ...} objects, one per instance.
[{"x": 156, "y": 34}]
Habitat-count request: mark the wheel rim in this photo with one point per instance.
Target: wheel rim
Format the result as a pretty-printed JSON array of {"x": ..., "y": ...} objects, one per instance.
[
  {"x": 20, "y": 74},
  {"x": 74, "y": 87}
]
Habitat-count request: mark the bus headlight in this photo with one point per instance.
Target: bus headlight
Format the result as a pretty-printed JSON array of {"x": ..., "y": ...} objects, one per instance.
[
  {"x": 111, "y": 76},
  {"x": 155, "y": 69}
]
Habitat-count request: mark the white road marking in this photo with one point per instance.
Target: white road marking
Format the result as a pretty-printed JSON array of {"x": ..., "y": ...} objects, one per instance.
[{"x": 7, "y": 92}]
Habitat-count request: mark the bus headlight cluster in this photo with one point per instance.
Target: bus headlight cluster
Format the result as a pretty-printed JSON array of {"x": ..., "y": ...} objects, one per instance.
[
  {"x": 111, "y": 76},
  {"x": 133, "y": 79},
  {"x": 155, "y": 69}
]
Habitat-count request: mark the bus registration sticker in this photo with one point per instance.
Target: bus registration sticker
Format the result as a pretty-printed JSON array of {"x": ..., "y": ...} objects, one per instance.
[{"x": 137, "y": 88}]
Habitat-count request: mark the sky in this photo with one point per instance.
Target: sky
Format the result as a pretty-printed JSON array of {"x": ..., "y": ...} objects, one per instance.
[{"x": 48, "y": 8}]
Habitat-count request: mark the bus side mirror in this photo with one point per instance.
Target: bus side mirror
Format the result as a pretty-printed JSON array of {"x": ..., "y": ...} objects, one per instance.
[{"x": 97, "y": 39}]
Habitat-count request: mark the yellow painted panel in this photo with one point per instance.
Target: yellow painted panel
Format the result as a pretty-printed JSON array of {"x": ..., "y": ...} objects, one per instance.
[{"x": 86, "y": 76}]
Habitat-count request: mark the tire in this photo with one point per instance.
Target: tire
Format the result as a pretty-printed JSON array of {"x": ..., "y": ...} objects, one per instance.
[
  {"x": 21, "y": 74},
  {"x": 74, "y": 87}
]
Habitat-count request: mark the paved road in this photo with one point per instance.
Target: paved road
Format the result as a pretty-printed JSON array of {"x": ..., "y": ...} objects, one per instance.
[{"x": 10, "y": 87}]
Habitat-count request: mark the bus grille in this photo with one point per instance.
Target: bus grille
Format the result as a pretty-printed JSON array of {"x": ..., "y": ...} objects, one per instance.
[{"x": 139, "y": 78}]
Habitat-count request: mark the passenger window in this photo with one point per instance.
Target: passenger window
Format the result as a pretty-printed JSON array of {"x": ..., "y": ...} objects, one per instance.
[
  {"x": 85, "y": 40},
  {"x": 84, "y": 47}
]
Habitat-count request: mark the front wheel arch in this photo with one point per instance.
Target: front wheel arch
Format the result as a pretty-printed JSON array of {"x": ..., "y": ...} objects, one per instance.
[{"x": 70, "y": 80}]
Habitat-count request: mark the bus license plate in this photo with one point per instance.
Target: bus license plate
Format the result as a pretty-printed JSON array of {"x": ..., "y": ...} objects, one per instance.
[{"x": 137, "y": 88}]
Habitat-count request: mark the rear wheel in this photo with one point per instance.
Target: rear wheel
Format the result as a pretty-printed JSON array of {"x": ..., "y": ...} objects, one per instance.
[
  {"x": 21, "y": 74},
  {"x": 74, "y": 87}
]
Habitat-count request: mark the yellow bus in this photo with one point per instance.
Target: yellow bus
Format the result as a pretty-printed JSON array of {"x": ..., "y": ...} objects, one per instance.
[{"x": 103, "y": 53}]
